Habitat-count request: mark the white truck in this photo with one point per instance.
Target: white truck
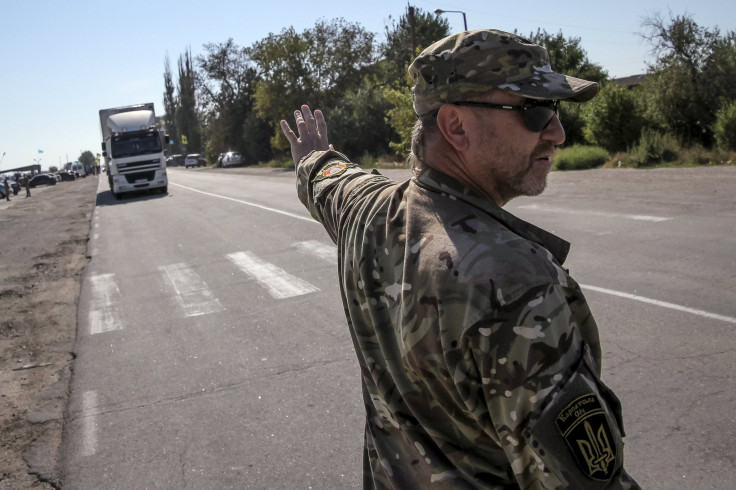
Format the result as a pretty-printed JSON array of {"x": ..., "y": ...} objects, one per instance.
[{"x": 131, "y": 146}]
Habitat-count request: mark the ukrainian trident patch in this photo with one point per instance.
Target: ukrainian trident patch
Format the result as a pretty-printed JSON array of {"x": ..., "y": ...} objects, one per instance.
[{"x": 584, "y": 426}]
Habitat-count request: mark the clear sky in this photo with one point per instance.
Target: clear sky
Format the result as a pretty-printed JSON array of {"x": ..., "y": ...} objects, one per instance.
[{"x": 63, "y": 61}]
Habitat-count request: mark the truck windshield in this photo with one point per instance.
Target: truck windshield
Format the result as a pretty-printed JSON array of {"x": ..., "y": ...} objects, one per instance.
[{"x": 133, "y": 144}]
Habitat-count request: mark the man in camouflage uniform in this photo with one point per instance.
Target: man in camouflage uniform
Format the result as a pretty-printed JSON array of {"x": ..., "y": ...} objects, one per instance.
[{"x": 479, "y": 357}]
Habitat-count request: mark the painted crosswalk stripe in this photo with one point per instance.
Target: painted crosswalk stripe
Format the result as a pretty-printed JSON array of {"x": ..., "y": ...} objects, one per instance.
[
  {"x": 323, "y": 251},
  {"x": 279, "y": 283},
  {"x": 191, "y": 292},
  {"x": 89, "y": 423},
  {"x": 103, "y": 316}
]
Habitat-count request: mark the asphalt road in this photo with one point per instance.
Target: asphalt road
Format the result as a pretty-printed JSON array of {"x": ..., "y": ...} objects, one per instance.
[{"x": 212, "y": 351}]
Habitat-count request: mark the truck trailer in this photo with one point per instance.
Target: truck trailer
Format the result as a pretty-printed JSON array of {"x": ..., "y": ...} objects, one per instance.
[{"x": 132, "y": 148}]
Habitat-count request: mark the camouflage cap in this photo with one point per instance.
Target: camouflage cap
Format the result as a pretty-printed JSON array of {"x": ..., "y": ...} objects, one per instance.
[{"x": 472, "y": 63}]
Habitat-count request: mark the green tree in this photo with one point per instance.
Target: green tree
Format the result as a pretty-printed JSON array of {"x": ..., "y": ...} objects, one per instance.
[
  {"x": 568, "y": 57},
  {"x": 724, "y": 128},
  {"x": 187, "y": 120},
  {"x": 405, "y": 37},
  {"x": 357, "y": 123},
  {"x": 170, "y": 105},
  {"x": 691, "y": 78},
  {"x": 401, "y": 118},
  {"x": 87, "y": 159},
  {"x": 318, "y": 66},
  {"x": 226, "y": 81},
  {"x": 614, "y": 119}
]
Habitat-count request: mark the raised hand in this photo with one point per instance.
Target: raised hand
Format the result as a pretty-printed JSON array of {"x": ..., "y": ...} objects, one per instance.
[{"x": 312, "y": 130}]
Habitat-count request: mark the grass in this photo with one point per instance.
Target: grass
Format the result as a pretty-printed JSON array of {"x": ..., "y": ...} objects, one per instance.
[
  {"x": 578, "y": 157},
  {"x": 695, "y": 156}
]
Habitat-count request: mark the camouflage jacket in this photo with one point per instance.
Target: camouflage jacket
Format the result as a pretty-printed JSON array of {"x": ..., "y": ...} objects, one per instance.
[{"x": 479, "y": 356}]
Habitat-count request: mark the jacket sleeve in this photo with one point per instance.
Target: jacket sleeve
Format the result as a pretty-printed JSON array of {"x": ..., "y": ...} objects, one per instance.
[
  {"x": 558, "y": 424},
  {"x": 328, "y": 184}
]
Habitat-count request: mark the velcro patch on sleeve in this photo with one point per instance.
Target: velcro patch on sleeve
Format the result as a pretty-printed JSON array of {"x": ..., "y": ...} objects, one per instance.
[
  {"x": 577, "y": 434},
  {"x": 332, "y": 170},
  {"x": 584, "y": 426}
]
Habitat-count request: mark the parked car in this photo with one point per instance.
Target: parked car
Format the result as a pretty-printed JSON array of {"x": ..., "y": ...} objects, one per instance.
[
  {"x": 194, "y": 160},
  {"x": 14, "y": 187},
  {"x": 78, "y": 170},
  {"x": 42, "y": 179},
  {"x": 232, "y": 158},
  {"x": 174, "y": 160},
  {"x": 67, "y": 176}
]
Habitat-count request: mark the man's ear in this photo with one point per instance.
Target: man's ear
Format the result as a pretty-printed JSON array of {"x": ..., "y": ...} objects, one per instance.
[{"x": 452, "y": 123}]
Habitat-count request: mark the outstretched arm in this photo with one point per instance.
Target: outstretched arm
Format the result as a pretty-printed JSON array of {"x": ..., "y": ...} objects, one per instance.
[{"x": 312, "y": 130}]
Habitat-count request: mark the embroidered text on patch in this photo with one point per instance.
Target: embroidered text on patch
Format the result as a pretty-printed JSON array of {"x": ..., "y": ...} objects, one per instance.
[{"x": 584, "y": 426}]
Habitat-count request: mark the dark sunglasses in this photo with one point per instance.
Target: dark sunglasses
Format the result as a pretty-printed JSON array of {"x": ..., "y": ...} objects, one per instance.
[{"x": 536, "y": 114}]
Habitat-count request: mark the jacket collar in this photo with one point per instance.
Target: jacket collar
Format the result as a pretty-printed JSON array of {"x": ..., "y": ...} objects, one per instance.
[{"x": 438, "y": 181}]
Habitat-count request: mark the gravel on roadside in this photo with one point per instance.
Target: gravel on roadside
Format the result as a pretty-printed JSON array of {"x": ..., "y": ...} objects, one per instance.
[{"x": 43, "y": 252}]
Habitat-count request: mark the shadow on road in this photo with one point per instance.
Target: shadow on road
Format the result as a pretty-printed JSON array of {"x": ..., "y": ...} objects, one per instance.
[{"x": 105, "y": 198}]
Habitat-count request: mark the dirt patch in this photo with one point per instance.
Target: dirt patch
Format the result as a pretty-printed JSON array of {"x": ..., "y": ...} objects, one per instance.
[{"x": 43, "y": 254}]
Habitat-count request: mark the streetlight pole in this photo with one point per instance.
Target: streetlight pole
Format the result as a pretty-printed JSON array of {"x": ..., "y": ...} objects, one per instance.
[{"x": 465, "y": 21}]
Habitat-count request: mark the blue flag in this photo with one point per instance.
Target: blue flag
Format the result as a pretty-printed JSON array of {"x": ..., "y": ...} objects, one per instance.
[{"x": 40, "y": 151}]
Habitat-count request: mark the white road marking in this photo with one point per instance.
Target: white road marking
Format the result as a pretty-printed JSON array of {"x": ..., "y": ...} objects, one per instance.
[
  {"x": 662, "y": 304},
  {"x": 89, "y": 423},
  {"x": 260, "y": 206},
  {"x": 192, "y": 293},
  {"x": 535, "y": 207},
  {"x": 326, "y": 252},
  {"x": 105, "y": 295},
  {"x": 639, "y": 217},
  {"x": 279, "y": 283}
]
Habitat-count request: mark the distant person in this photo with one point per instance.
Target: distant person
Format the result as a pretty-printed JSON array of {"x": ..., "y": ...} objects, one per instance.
[
  {"x": 27, "y": 184},
  {"x": 479, "y": 356},
  {"x": 7, "y": 189}
]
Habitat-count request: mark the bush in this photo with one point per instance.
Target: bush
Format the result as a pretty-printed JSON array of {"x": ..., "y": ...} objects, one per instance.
[
  {"x": 614, "y": 119},
  {"x": 724, "y": 129},
  {"x": 654, "y": 148},
  {"x": 699, "y": 156},
  {"x": 579, "y": 157}
]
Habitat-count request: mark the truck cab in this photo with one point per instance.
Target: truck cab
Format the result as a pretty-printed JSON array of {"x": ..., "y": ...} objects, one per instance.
[{"x": 132, "y": 149}]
